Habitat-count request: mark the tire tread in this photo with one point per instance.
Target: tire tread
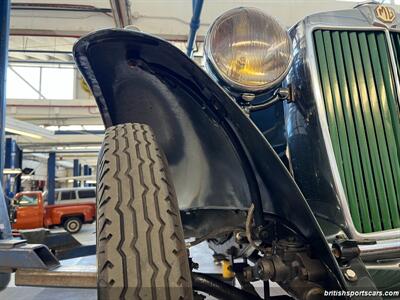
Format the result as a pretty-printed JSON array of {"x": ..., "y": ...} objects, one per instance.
[{"x": 141, "y": 249}]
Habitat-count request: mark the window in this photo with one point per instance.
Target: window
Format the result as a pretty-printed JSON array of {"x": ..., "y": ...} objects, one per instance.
[
  {"x": 58, "y": 83},
  {"x": 22, "y": 82},
  {"x": 39, "y": 82},
  {"x": 87, "y": 194},
  {"x": 27, "y": 200},
  {"x": 68, "y": 195}
]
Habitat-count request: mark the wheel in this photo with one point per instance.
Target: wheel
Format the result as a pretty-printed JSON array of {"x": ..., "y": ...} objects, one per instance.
[
  {"x": 4, "y": 280},
  {"x": 73, "y": 225},
  {"x": 141, "y": 250}
]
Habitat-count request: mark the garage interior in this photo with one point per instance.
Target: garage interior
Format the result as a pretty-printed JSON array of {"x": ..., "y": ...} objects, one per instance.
[{"x": 52, "y": 129}]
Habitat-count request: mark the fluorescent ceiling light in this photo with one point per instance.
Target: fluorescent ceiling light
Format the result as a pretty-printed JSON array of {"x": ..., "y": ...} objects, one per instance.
[
  {"x": 80, "y": 148},
  {"x": 27, "y": 129},
  {"x": 23, "y": 133},
  {"x": 12, "y": 171},
  {"x": 85, "y": 177}
]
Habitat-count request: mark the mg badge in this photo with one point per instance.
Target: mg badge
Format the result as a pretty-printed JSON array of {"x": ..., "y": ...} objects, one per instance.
[{"x": 385, "y": 14}]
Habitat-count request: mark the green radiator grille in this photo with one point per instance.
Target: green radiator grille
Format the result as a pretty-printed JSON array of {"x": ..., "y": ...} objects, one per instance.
[{"x": 364, "y": 122}]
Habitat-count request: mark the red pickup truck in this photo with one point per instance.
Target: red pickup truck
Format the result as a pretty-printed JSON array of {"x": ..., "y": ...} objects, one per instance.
[{"x": 29, "y": 211}]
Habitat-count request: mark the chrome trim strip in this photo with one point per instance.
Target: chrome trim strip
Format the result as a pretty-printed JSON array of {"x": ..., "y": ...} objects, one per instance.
[
  {"x": 389, "y": 249},
  {"x": 384, "y": 265},
  {"x": 393, "y": 59},
  {"x": 310, "y": 27}
]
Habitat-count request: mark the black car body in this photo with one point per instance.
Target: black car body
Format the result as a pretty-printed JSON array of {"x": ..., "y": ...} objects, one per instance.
[{"x": 219, "y": 157}]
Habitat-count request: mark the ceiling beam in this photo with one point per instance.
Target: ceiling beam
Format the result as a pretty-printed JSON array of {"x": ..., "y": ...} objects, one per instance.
[
  {"x": 46, "y": 32},
  {"x": 66, "y": 140}
]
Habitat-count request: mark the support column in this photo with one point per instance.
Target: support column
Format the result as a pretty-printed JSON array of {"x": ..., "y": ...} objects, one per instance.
[
  {"x": 76, "y": 172},
  {"x": 80, "y": 174},
  {"x": 85, "y": 173},
  {"x": 121, "y": 10},
  {"x": 13, "y": 161},
  {"x": 51, "y": 177},
  {"x": 18, "y": 181},
  {"x": 4, "y": 34},
  {"x": 9, "y": 163},
  {"x": 90, "y": 174},
  {"x": 5, "y": 228}
]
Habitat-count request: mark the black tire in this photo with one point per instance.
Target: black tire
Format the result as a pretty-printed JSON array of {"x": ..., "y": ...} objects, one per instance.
[
  {"x": 73, "y": 225},
  {"x": 4, "y": 280},
  {"x": 141, "y": 250}
]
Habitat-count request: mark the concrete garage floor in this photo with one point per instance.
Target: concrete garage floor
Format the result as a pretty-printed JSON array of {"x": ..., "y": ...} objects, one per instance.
[{"x": 200, "y": 253}]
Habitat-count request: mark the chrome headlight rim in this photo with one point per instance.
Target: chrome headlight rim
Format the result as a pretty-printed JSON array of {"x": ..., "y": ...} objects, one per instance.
[{"x": 211, "y": 63}]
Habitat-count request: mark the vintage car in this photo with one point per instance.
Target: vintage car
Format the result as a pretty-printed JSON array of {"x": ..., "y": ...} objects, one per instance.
[{"x": 283, "y": 155}]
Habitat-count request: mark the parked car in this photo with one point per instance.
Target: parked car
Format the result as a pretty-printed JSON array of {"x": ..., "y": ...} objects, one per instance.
[
  {"x": 285, "y": 152},
  {"x": 29, "y": 211}
]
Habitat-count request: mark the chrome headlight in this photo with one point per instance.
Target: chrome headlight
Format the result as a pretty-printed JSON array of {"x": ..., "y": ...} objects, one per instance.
[{"x": 249, "y": 49}]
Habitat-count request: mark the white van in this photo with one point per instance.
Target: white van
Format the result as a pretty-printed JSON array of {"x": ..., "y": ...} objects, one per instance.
[{"x": 75, "y": 195}]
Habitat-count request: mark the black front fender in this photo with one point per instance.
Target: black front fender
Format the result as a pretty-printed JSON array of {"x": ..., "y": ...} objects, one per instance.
[{"x": 218, "y": 157}]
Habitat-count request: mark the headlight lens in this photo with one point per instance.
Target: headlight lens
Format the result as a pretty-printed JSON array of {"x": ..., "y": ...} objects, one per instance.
[{"x": 249, "y": 49}]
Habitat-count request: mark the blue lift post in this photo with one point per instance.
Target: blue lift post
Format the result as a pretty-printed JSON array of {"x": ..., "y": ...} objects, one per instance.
[
  {"x": 85, "y": 173},
  {"x": 13, "y": 160},
  {"x": 76, "y": 172},
  {"x": 4, "y": 34},
  {"x": 51, "y": 177},
  {"x": 9, "y": 163},
  {"x": 5, "y": 30},
  {"x": 5, "y": 227},
  {"x": 197, "y": 6},
  {"x": 79, "y": 174},
  {"x": 90, "y": 173}
]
